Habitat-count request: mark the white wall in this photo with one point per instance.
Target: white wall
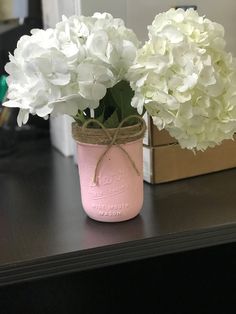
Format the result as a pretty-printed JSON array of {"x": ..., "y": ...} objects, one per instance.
[
  {"x": 116, "y": 7},
  {"x": 11, "y": 9},
  {"x": 67, "y": 7},
  {"x": 50, "y": 13},
  {"x": 140, "y": 14}
]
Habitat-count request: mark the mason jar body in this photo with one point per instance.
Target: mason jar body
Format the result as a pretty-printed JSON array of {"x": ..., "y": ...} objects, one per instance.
[{"x": 111, "y": 188}]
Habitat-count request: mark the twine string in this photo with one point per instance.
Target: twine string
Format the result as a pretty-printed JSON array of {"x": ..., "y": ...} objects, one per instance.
[{"x": 113, "y": 140}]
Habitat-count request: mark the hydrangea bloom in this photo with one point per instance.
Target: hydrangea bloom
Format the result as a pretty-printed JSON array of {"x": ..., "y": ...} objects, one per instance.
[
  {"x": 186, "y": 80},
  {"x": 70, "y": 67}
]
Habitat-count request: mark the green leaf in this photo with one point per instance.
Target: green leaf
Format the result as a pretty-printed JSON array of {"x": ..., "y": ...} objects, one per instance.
[
  {"x": 123, "y": 94},
  {"x": 110, "y": 105},
  {"x": 79, "y": 117},
  {"x": 113, "y": 107},
  {"x": 100, "y": 111},
  {"x": 106, "y": 107},
  {"x": 112, "y": 121}
]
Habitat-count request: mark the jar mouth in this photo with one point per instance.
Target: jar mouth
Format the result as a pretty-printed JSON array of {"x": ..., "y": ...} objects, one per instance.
[{"x": 107, "y": 136}]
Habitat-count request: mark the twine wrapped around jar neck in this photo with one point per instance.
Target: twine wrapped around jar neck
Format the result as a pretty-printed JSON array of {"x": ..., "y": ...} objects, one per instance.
[
  {"x": 109, "y": 137},
  {"x": 103, "y": 135}
]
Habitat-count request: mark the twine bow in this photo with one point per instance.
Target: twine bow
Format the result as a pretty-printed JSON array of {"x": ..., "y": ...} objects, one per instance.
[{"x": 113, "y": 141}]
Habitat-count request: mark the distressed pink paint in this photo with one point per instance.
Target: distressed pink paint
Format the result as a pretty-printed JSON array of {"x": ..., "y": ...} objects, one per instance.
[{"x": 118, "y": 195}]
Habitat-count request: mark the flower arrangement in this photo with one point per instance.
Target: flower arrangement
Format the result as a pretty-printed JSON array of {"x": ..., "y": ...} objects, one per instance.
[
  {"x": 93, "y": 69},
  {"x": 182, "y": 76},
  {"x": 186, "y": 80}
]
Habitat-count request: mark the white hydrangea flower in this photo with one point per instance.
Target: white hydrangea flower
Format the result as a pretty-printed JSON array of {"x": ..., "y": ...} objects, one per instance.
[
  {"x": 61, "y": 70},
  {"x": 186, "y": 80},
  {"x": 36, "y": 72}
]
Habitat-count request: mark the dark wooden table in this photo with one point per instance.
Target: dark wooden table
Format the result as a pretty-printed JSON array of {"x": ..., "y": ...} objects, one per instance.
[{"x": 45, "y": 233}]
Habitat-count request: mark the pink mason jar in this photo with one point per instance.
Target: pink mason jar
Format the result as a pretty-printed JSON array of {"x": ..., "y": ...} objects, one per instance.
[{"x": 111, "y": 176}]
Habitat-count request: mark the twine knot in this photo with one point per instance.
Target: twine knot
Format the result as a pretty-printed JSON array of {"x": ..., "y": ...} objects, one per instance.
[{"x": 110, "y": 137}]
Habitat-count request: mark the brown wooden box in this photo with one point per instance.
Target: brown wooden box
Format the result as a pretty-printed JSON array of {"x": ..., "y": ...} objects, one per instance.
[{"x": 165, "y": 160}]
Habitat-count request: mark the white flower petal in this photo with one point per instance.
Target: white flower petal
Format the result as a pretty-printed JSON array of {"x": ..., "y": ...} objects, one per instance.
[
  {"x": 59, "y": 79},
  {"x": 22, "y": 117},
  {"x": 63, "y": 107},
  {"x": 44, "y": 110},
  {"x": 188, "y": 83},
  {"x": 15, "y": 104},
  {"x": 172, "y": 34},
  {"x": 97, "y": 44},
  {"x": 92, "y": 91},
  {"x": 138, "y": 102}
]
